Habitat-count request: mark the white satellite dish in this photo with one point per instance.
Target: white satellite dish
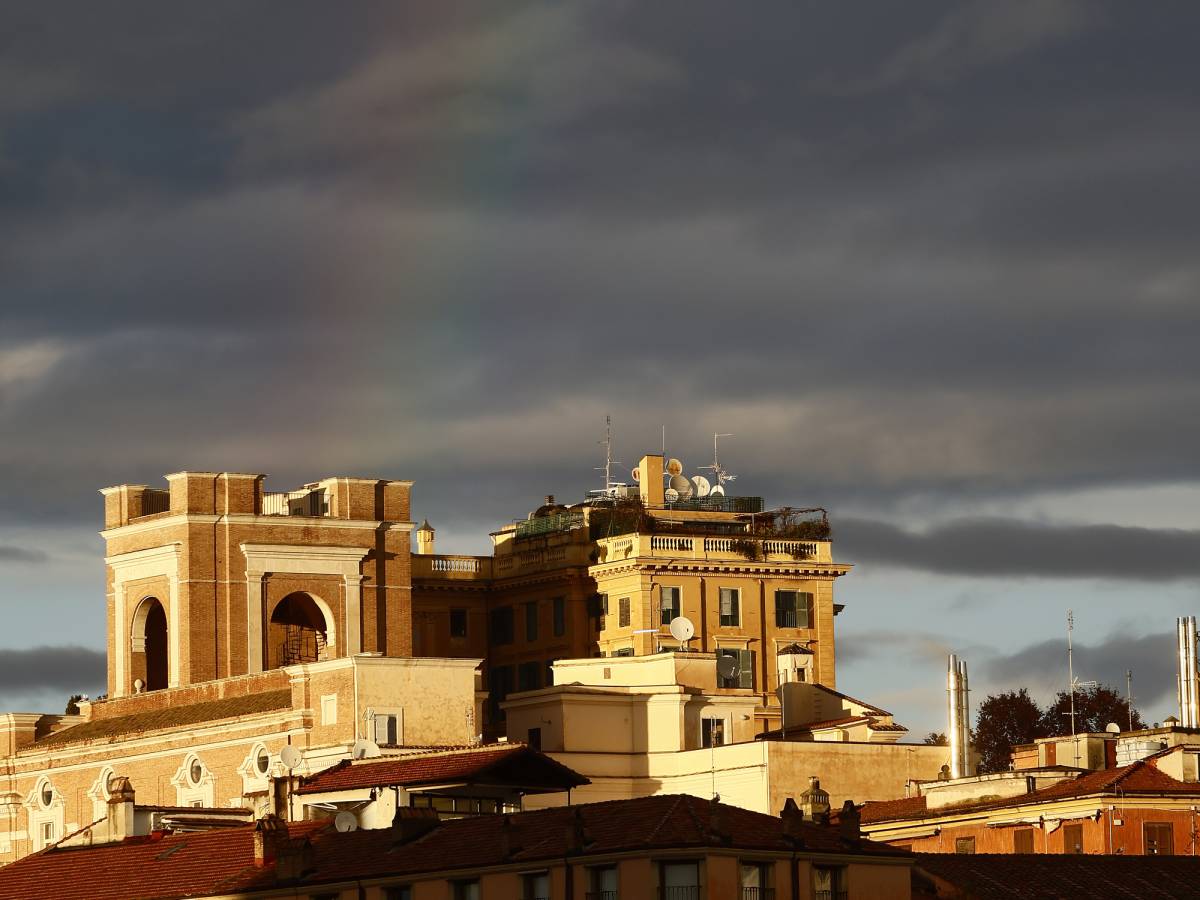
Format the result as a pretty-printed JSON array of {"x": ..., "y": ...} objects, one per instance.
[
  {"x": 290, "y": 757},
  {"x": 670, "y": 495},
  {"x": 637, "y": 474},
  {"x": 682, "y": 486},
  {"x": 717, "y": 491},
  {"x": 345, "y": 821},
  {"x": 682, "y": 629},
  {"x": 365, "y": 749},
  {"x": 674, "y": 467},
  {"x": 1112, "y": 728},
  {"x": 702, "y": 485},
  {"x": 727, "y": 667}
]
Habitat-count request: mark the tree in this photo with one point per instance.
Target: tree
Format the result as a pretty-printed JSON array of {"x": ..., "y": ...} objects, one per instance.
[
  {"x": 1003, "y": 721},
  {"x": 937, "y": 739},
  {"x": 1095, "y": 707},
  {"x": 73, "y": 705}
]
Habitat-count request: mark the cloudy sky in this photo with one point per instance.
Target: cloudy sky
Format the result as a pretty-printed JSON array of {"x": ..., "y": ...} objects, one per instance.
[{"x": 933, "y": 265}]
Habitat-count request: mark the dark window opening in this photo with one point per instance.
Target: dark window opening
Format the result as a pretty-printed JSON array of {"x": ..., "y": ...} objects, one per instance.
[
  {"x": 531, "y": 621},
  {"x": 730, "y": 603},
  {"x": 669, "y": 604},
  {"x": 500, "y": 625},
  {"x": 156, "y": 646},
  {"x": 793, "y": 609},
  {"x": 458, "y": 623},
  {"x": 560, "y": 616},
  {"x": 623, "y": 612}
]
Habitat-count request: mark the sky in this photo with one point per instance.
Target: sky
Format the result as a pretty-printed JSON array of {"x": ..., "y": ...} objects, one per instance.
[{"x": 932, "y": 265}]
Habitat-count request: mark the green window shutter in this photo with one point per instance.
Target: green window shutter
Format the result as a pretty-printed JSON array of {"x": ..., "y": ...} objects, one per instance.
[{"x": 746, "y": 664}]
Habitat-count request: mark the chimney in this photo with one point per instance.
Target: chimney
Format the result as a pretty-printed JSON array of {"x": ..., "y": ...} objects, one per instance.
[
  {"x": 815, "y": 802},
  {"x": 411, "y": 822},
  {"x": 849, "y": 821},
  {"x": 294, "y": 857},
  {"x": 716, "y": 821},
  {"x": 510, "y": 846},
  {"x": 120, "y": 808},
  {"x": 793, "y": 822},
  {"x": 270, "y": 834},
  {"x": 425, "y": 536},
  {"x": 578, "y": 839}
]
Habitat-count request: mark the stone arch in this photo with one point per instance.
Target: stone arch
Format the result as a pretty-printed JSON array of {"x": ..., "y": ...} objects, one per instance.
[
  {"x": 300, "y": 630},
  {"x": 149, "y": 651}
]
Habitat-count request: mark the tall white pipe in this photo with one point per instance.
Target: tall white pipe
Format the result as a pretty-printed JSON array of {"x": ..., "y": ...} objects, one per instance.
[
  {"x": 1181, "y": 667},
  {"x": 964, "y": 719},
  {"x": 953, "y": 710},
  {"x": 1193, "y": 678}
]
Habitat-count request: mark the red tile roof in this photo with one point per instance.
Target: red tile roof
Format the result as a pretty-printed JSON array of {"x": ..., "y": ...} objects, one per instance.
[
  {"x": 1053, "y": 876},
  {"x": 515, "y": 764},
  {"x": 1137, "y": 778},
  {"x": 120, "y": 727},
  {"x": 221, "y": 862}
]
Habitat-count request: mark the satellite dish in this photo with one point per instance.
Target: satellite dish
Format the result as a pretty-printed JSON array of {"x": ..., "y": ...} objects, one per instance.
[
  {"x": 637, "y": 474},
  {"x": 290, "y": 757},
  {"x": 345, "y": 821},
  {"x": 1112, "y": 728},
  {"x": 674, "y": 467},
  {"x": 365, "y": 749},
  {"x": 701, "y": 485},
  {"x": 682, "y": 629},
  {"x": 717, "y": 491},
  {"x": 727, "y": 667},
  {"x": 670, "y": 495},
  {"x": 682, "y": 486}
]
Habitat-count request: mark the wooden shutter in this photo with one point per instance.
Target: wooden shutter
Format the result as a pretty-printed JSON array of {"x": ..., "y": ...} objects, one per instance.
[{"x": 746, "y": 663}]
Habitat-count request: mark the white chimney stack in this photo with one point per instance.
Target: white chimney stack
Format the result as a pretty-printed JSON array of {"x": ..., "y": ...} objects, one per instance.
[
  {"x": 1187, "y": 680},
  {"x": 958, "y": 716}
]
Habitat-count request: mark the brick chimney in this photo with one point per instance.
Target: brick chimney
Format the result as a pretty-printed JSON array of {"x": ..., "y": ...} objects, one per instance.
[
  {"x": 850, "y": 821},
  {"x": 510, "y": 846},
  {"x": 793, "y": 822},
  {"x": 120, "y": 808},
  {"x": 411, "y": 822},
  {"x": 294, "y": 857},
  {"x": 270, "y": 834}
]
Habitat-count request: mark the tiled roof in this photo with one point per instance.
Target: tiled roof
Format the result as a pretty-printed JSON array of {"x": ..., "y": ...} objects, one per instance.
[
  {"x": 1054, "y": 876},
  {"x": 1136, "y": 778},
  {"x": 516, "y": 764},
  {"x": 169, "y": 717},
  {"x": 204, "y": 863}
]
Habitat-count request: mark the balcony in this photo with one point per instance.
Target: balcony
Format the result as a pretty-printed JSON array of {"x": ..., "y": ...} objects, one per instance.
[
  {"x": 601, "y": 895},
  {"x": 715, "y": 549},
  {"x": 306, "y": 502},
  {"x": 758, "y": 893},
  {"x": 452, "y": 567},
  {"x": 688, "y": 892}
]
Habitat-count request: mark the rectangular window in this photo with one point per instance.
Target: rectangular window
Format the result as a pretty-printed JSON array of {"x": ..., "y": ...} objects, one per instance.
[
  {"x": 531, "y": 621},
  {"x": 680, "y": 881},
  {"x": 466, "y": 890},
  {"x": 329, "y": 709},
  {"x": 1023, "y": 840},
  {"x": 603, "y": 883},
  {"x": 743, "y": 673},
  {"x": 1073, "y": 838},
  {"x": 387, "y": 729},
  {"x": 793, "y": 609},
  {"x": 560, "y": 616},
  {"x": 755, "y": 881},
  {"x": 669, "y": 604},
  {"x": 964, "y": 845},
  {"x": 536, "y": 886},
  {"x": 403, "y": 892},
  {"x": 624, "y": 651},
  {"x": 47, "y": 834},
  {"x": 533, "y": 737},
  {"x": 829, "y": 883},
  {"x": 1159, "y": 839},
  {"x": 712, "y": 732},
  {"x": 730, "y": 602},
  {"x": 500, "y": 625},
  {"x": 458, "y": 623},
  {"x": 529, "y": 676},
  {"x": 500, "y": 684},
  {"x": 623, "y": 612}
]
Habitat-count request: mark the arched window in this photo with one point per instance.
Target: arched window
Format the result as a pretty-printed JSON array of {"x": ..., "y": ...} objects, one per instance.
[
  {"x": 298, "y": 632},
  {"x": 149, "y": 646}
]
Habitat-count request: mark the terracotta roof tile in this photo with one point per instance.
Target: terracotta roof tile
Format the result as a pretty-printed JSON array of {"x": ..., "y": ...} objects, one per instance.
[
  {"x": 500, "y": 763},
  {"x": 204, "y": 863},
  {"x": 1136, "y": 778},
  {"x": 169, "y": 717},
  {"x": 1054, "y": 876}
]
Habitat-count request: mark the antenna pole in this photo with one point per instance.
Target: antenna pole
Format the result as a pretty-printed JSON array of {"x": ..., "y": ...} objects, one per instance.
[
  {"x": 1071, "y": 682},
  {"x": 1129, "y": 696}
]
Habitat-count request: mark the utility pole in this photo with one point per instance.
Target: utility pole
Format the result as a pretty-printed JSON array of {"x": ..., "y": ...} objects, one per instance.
[{"x": 1129, "y": 696}]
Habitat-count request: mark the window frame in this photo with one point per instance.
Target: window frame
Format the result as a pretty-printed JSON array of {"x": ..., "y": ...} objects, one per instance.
[
  {"x": 710, "y": 727},
  {"x": 1020, "y": 835},
  {"x": 1068, "y": 829},
  {"x": 501, "y": 626},
  {"x": 965, "y": 846},
  {"x": 801, "y": 613},
  {"x": 623, "y": 612},
  {"x": 560, "y": 616},
  {"x": 1169, "y": 828},
  {"x": 732, "y": 619},
  {"x": 531, "y": 621},
  {"x": 676, "y": 608},
  {"x": 458, "y": 622}
]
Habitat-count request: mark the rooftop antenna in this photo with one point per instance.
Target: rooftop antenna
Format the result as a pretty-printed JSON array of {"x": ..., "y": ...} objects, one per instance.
[
  {"x": 1074, "y": 683},
  {"x": 721, "y": 474},
  {"x": 609, "y": 462},
  {"x": 1129, "y": 696}
]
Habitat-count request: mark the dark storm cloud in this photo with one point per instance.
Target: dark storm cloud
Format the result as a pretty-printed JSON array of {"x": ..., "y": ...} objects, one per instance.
[
  {"x": 946, "y": 248},
  {"x": 20, "y": 554},
  {"x": 1150, "y": 657},
  {"x": 69, "y": 669},
  {"x": 1007, "y": 547}
]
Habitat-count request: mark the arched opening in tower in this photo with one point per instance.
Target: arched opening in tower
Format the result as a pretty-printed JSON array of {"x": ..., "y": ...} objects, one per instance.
[
  {"x": 156, "y": 646},
  {"x": 298, "y": 631}
]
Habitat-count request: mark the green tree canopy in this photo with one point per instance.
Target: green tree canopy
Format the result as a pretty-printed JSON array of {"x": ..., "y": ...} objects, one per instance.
[
  {"x": 1095, "y": 707},
  {"x": 1002, "y": 722}
]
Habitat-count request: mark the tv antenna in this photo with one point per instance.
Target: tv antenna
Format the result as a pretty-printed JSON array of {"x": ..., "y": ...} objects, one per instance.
[
  {"x": 1073, "y": 682},
  {"x": 720, "y": 473},
  {"x": 1129, "y": 696},
  {"x": 609, "y": 462}
]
